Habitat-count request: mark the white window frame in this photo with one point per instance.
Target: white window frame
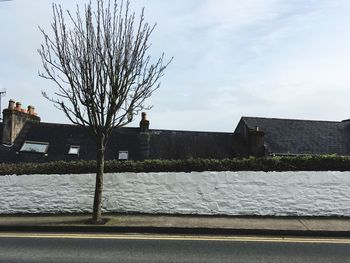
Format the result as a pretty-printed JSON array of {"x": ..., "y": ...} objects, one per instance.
[
  {"x": 121, "y": 155},
  {"x": 74, "y": 147},
  {"x": 46, "y": 144}
]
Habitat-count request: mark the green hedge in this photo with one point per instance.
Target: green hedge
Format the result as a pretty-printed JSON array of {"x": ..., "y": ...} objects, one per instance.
[{"x": 300, "y": 163}]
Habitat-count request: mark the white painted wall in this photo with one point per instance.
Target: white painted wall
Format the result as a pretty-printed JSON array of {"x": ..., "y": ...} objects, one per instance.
[{"x": 227, "y": 193}]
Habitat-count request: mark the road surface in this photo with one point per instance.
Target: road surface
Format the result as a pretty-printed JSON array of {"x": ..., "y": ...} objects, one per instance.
[{"x": 160, "y": 248}]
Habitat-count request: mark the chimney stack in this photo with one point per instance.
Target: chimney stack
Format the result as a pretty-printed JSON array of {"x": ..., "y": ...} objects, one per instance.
[
  {"x": 144, "y": 123},
  {"x": 256, "y": 142},
  {"x": 144, "y": 137},
  {"x": 14, "y": 119}
]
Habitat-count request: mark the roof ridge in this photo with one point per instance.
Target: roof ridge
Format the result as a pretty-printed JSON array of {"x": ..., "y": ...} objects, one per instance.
[
  {"x": 189, "y": 131},
  {"x": 71, "y": 124},
  {"x": 288, "y": 119}
]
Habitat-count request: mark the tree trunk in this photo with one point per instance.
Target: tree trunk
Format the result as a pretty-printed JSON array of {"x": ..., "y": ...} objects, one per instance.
[{"x": 96, "y": 216}]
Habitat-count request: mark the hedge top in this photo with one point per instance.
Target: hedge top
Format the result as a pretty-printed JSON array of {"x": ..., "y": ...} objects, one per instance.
[{"x": 299, "y": 163}]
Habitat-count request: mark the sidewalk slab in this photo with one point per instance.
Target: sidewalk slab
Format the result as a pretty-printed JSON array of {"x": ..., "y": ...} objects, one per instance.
[
  {"x": 224, "y": 222},
  {"x": 326, "y": 224},
  {"x": 181, "y": 224}
]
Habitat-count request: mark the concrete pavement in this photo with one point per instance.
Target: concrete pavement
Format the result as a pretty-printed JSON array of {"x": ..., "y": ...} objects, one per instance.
[{"x": 186, "y": 224}]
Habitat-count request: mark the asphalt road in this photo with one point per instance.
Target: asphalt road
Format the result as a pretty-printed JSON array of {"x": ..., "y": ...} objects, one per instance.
[{"x": 26, "y": 248}]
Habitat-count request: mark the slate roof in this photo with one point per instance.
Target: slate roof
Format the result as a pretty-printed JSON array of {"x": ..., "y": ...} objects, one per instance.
[
  {"x": 164, "y": 144},
  {"x": 61, "y": 136},
  {"x": 167, "y": 144},
  {"x": 288, "y": 136},
  {"x": 6, "y": 153}
]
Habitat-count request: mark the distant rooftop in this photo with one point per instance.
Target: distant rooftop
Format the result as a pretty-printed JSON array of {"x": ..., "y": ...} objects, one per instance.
[{"x": 303, "y": 136}]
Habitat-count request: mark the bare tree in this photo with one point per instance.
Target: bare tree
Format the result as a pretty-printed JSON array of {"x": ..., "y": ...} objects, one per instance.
[{"x": 102, "y": 69}]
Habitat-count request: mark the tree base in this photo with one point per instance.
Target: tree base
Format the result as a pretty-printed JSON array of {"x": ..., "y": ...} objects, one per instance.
[{"x": 103, "y": 221}]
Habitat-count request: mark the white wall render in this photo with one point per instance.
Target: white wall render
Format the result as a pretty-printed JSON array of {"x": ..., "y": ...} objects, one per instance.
[{"x": 225, "y": 193}]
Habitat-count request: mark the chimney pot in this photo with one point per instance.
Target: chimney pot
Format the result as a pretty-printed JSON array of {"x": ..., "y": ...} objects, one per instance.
[
  {"x": 18, "y": 106},
  {"x": 11, "y": 105},
  {"x": 31, "y": 110}
]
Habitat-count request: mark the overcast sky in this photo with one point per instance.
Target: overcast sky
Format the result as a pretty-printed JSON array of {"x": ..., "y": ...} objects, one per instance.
[{"x": 232, "y": 58}]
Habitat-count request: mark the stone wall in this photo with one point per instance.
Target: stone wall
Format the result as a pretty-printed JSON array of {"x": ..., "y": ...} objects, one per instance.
[{"x": 225, "y": 193}]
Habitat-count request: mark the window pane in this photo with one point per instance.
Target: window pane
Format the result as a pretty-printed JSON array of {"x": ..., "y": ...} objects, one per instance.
[
  {"x": 74, "y": 149},
  {"x": 123, "y": 155},
  {"x": 38, "y": 147}
]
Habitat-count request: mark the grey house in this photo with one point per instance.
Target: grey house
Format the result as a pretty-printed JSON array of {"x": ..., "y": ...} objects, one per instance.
[{"x": 24, "y": 138}]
